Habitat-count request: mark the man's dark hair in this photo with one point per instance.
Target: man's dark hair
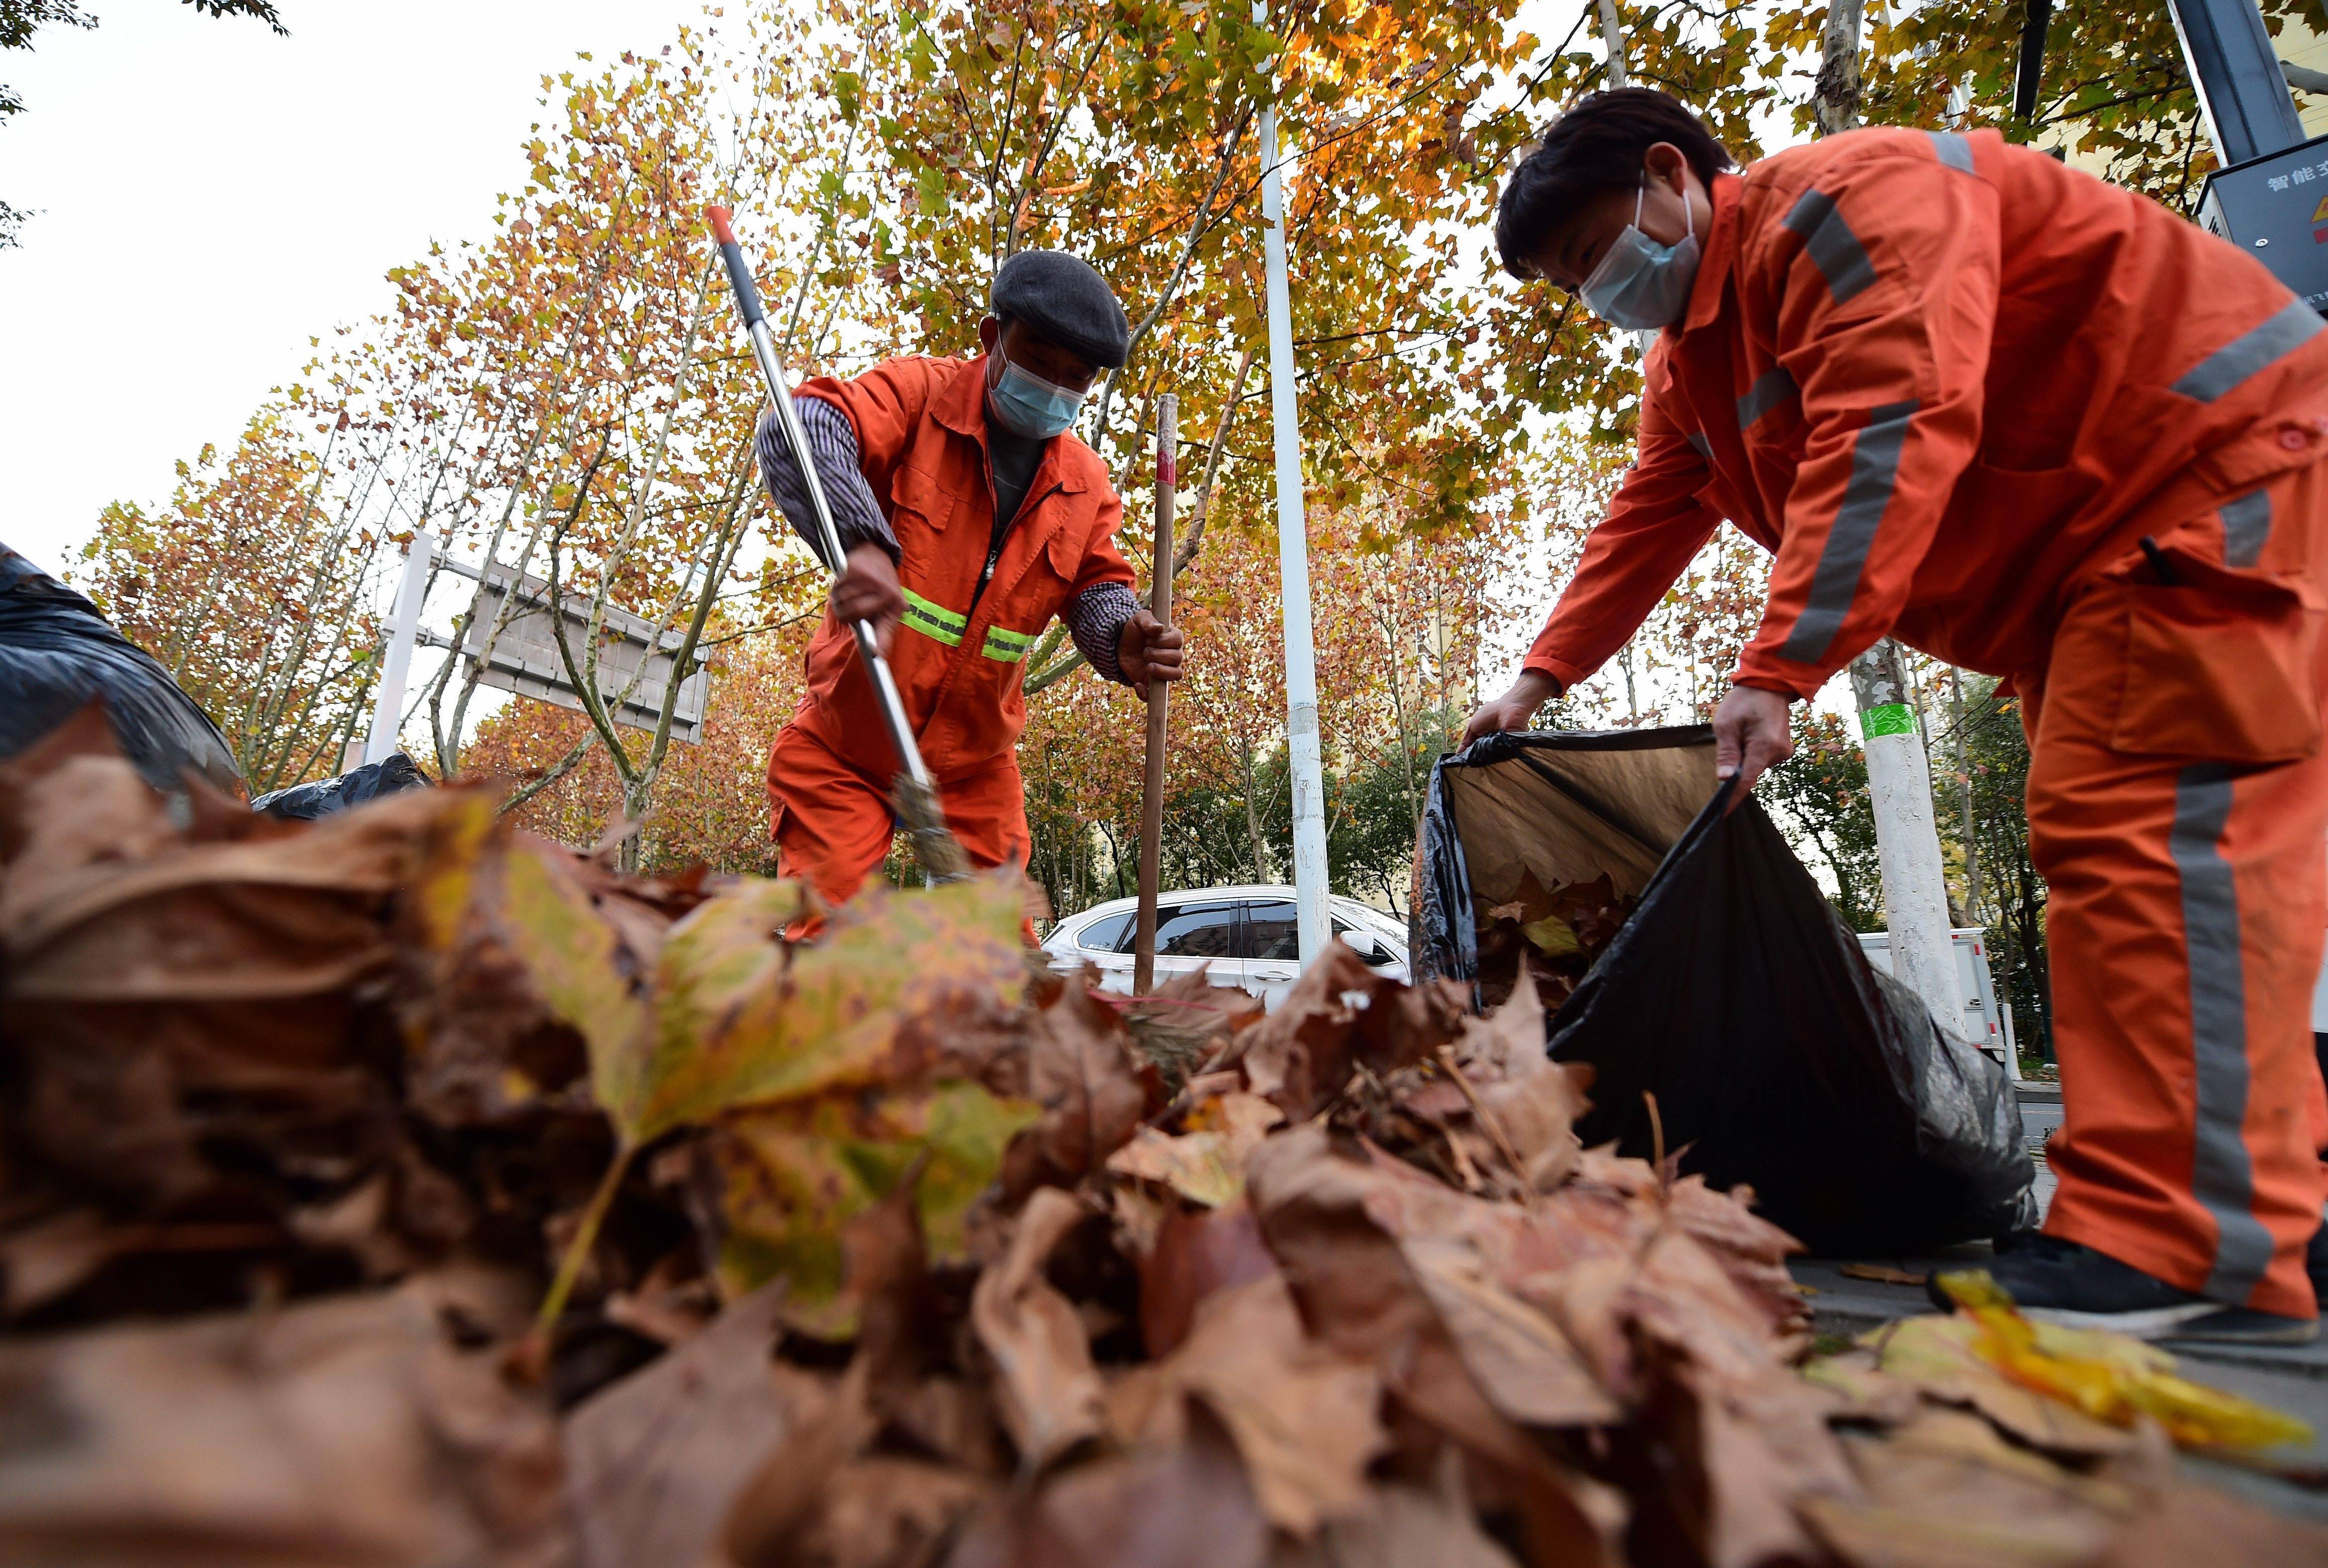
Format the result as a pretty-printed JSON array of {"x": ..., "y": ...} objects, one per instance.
[{"x": 1595, "y": 147}]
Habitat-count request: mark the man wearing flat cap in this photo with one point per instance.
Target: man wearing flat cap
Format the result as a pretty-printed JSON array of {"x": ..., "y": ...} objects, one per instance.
[{"x": 971, "y": 518}]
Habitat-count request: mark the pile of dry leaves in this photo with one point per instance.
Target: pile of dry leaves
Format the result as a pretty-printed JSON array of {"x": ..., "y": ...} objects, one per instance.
[
  {"x": 401, "y": 1189},
  {"x": 1552, "y": 935}
]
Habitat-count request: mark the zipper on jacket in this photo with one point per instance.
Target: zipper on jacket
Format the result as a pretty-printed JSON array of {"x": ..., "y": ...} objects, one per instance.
[
  {"x": 986, "y": 572},
  {"x": 997, "y": 541}
]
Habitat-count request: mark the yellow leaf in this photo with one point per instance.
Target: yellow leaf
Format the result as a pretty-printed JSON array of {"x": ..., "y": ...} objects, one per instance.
[
  {"x": 2110, "y": 1378},
  {"x": 1552, "y": 936},
  {"x": 573, "y": 956}
]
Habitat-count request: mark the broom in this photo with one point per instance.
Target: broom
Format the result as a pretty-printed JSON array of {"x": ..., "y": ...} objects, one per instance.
[{"x": 913, "y": 798}]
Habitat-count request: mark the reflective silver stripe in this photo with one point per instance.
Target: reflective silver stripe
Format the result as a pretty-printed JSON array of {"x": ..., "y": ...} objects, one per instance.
[
  {"x": 1705, "y": 448},
  {"x": 2293, "y": 325},
  {"x": 2246, "y": 523},
  {"x": 1874, "y": 469},
  {"x": 1952, "y": 150},
  {"x": 1771, "y": 388},
  {"x": 1831, "y": 245},
  {"x": 2221, "y": 1177}
]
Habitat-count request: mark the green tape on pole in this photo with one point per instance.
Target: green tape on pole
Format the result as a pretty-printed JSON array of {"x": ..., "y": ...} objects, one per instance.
[{"x": 1891, "y": 719}]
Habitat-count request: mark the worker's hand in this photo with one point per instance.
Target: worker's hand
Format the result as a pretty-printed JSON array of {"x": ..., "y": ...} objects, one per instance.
[
  {"x": 868, "y": 590},
  {"x": 1148, "y": 650},
  {"x": 1514, "y": 708},
  {"x": 1751, "y": 732}
]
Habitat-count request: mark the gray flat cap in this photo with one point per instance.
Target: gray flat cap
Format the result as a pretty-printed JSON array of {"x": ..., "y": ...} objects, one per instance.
[{"x": 1065, "y": 301}]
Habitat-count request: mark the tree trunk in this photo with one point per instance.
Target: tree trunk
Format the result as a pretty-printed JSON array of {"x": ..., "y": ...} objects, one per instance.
[
  {"x": 1257, "y": 841},
  {"x": 1835, "y": 96},
  {"x": 1964, "y": 796},
  {"x": 1612, "y": 39}
]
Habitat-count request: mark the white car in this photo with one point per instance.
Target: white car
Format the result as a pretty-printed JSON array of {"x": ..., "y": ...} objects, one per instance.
[{"x": 1246, "y": 935}]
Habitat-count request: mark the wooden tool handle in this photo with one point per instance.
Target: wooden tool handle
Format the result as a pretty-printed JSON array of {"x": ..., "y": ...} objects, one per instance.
[{"x": 1159, "y": 699}]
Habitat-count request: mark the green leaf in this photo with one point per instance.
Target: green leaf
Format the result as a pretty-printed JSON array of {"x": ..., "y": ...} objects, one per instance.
[
  {"x": 743, "y": 1019},
  {"x": 792, "y": 1176}
]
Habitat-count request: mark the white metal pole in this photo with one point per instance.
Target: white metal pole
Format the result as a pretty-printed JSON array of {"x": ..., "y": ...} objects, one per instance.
[
  {"x": 387, "y": 708},
  {"x": 1293, "y": 562},
  {"x": 1907, "y": 842}
]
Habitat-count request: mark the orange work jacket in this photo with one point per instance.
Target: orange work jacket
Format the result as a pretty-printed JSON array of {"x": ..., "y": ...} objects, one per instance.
[
  {"x": 959, "y": 654},
  {"x": 1938, "y": 375}
]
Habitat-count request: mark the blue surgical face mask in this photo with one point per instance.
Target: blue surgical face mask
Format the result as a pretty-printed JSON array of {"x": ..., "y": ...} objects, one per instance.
[
  {"x": 1642, "y": 285},
  {"x": 1027, "y": 404}
]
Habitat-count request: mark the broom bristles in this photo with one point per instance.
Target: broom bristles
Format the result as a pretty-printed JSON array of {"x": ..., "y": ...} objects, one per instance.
[{"x": 934, "y": 845}]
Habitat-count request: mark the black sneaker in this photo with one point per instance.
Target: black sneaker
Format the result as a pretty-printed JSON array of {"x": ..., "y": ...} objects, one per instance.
[
  {"x": 2053, "y": 1280},
  {"x": 2244, "y": 1326},
  {"x": 2239, "y": 1326}
]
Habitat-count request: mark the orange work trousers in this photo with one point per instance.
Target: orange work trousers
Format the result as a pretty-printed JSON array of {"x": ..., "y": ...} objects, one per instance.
[
  {"x": 2178, "y": 807},
  {"x": 832, "y": 822}
]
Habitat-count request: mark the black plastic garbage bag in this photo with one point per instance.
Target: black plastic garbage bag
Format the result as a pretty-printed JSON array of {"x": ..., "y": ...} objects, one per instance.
[
  {"x": 57, "y": 653},
  {"x": 392, "y": 775},
  {"x": 1734, "y": 993}
]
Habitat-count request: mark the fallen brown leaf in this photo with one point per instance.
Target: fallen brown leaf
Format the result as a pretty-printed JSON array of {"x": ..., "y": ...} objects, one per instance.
[
  {"x": 1194, "y": 1255},
  {"x": 1206, "y": 1164},
  {"x": 1187, "y": 1506},
  {"x": 1302, "y": 1418},
  {"x": 1046, "y": 1391},
  {"x": 1523, "y": 1363},
  {"x": 1883, "y": 1274},
  {"x": 1080, "y": 1070},
  {"x": 1324, "y": 1218},
  {"x": 783, "y": 1499},
  {"x": 653, "y": 1463},
  {"x": 1339, "y": 1016},
  {"x": 1400, "y": 1526},
  {"x": 2180, "y": 1524},
  {"x": 1526, "y": 1104},
  {"x": 1949, "y": 1495},
  {"x": 339, "y": 1431}
]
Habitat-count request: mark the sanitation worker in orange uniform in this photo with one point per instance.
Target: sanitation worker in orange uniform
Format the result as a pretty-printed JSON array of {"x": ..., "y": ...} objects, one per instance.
[
  {"x": 2042, "y": 427},
  {"x": 970, "y": 518}
]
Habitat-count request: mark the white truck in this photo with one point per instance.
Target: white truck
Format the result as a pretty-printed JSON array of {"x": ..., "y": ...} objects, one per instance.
[{"x": 1986, "y": 1023}]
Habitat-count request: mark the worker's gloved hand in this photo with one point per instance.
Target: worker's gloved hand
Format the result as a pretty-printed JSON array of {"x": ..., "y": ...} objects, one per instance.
[
  {"x": 1751, "y": 732},
  {"x": 1514, "y": 708},
  {"x": 1148, "y": 650},
  {"x": 868, "y": 590}
]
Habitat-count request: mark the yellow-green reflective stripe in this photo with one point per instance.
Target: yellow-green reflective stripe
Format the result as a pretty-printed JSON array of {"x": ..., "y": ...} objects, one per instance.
[
  {"x": 935, "y": 622},
  {"x": 1005, "y": 645}
]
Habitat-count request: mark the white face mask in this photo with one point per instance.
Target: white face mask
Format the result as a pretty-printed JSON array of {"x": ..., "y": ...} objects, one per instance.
[
  {"x": 1022, "y": 402},
  {"x": 1641, "y": 284}
]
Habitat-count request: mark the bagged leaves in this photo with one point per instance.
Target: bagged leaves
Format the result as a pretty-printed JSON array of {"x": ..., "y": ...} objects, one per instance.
[
  {"x": 392, "y": 775},
  {"x": 1731, "y": 993},
  {"x": 58, "y": 656}
]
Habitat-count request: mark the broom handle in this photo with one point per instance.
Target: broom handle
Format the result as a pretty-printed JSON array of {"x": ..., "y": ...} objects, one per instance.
[
  {"x": 827, "y": 536},
  {"x": 1160, "y": 699}
]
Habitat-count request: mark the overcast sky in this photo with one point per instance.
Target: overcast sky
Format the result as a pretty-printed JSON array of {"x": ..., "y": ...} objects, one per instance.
[{"x": 210, "y": 196}]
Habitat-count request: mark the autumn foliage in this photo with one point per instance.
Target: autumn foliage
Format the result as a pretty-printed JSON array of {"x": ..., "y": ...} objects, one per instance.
[{"x": 562, "y": 391}]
